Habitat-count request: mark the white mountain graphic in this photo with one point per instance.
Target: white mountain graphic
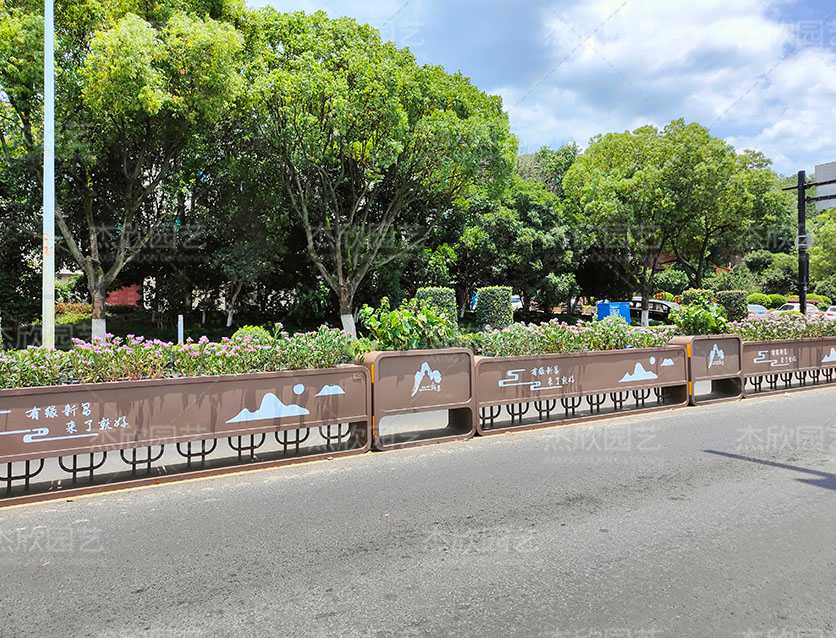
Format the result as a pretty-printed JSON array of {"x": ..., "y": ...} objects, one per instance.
[
  {"x": 639, "y": 374},
  {"x": 830, "y": 357},
  {"x": 426, "y": 371},
  {"x": 271, "y": 408},
  {"x": 667, "y": 362},
  {"x": 329, "y": 390}
]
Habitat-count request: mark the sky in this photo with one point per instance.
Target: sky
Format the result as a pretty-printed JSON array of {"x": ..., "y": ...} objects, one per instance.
[{"x": 760, "y": 74}]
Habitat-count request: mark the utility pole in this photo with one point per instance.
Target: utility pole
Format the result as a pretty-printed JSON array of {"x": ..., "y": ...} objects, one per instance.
[
  {"x": 822, "y": 201},
  {"x": 48, "y": 277},
  {"x": 803, "y": 257}
]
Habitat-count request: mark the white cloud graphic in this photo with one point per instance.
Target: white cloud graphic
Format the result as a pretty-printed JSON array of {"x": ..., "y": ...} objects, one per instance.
[
  {"x": 639, "y": 374},
  {"x": 830, "y": 357},
  {"x": 271, "y": 408},
  {"x": 667, "y": 362},
  {"x": 330, "y": 390}
]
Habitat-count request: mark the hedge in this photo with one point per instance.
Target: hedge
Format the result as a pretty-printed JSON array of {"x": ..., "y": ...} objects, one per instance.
[
  {"x": 692, "y": 295},
  {"x": 444, "y": 299},
  {"x": 493, "y": 307},
  {"x": 734, "y": 303},
  {"x": 776, "y": 301},
  {"x": 759, "y": 299},
  {"x": 823, "y": 300}
]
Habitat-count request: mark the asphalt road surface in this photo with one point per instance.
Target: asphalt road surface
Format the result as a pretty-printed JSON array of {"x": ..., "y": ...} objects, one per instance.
[{"x": 710, "y": 521}]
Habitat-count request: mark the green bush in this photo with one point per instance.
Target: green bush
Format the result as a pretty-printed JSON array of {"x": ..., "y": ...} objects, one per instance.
[
  {"x": 739, "y": 278},
  {"x": 826, "y": 287},
  {"x": 255, "y": 333},
  {"x": 493, "y": 307},
  {"x": 759, "y": 260},
  {"x": 611, "y": 333},
  {"x": 444, "y": 299},
  {"x": 776, "y": 301},
  {"x": 415, "y": 325},
  {"x": 700, "y": 318},
  {"x": 759, "y": 299},
  {"x": 694, "y": 295},
  {"x": 734, "y": 303},
  {"x": 821, "y": 301},
  {"x": 667, "y": 296},
  {"x": 673, "y": 281}
]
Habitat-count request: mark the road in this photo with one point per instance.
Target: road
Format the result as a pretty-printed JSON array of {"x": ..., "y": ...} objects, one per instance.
[{"x": 710, "y": 521}]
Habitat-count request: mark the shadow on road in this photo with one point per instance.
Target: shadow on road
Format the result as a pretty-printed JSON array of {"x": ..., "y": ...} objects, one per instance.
[{"x": 826, "y": 480}]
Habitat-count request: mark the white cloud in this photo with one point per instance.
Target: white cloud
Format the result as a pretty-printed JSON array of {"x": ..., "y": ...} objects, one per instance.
[{"x": 727, "y": 65}]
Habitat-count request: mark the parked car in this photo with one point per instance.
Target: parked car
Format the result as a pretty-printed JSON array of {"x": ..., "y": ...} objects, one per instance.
[
  {"x": 755, "y": 310},
  {"x": 658, "y": 309},
  {"x": 812, "y": 311},
  {"x": 830, "y": 313},
  {"x": 516, "y": 302}
]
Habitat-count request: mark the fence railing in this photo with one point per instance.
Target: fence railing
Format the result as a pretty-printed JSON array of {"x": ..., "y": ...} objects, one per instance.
[{"x": 74, "y": 439}]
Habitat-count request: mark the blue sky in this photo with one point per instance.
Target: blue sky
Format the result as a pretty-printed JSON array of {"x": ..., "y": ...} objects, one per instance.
[{"x": 759, "y": 73}]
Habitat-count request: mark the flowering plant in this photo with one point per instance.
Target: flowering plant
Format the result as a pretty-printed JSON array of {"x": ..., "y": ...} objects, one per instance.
[
  {"x": 555, "y": 337},
  {"x": 783, "y": 325},
  {"x": 114, "y": 358}
]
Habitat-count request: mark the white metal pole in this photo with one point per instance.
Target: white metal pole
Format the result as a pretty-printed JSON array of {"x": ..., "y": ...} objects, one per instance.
[{"x": 48, "y": 293}]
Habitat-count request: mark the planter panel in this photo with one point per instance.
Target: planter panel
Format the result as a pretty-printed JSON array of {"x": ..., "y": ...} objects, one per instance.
[
  {"x": 541, "y": 391},
  {"x": 714, "y": 367},
  {"x": 408, "y": 385},
  {"x": 92, "y": 419},
  {"x": 785, "y": 365}
]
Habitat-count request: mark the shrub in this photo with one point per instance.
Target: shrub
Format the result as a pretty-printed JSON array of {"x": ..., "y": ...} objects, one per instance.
[
  {"x": 694, "y": 295},
  {"x": 759, "y": 260},
  {"x": 444, "y": 299},
  {"x": 776, "y": 301},
  {"x": 674, "y": 281},
  {"x": 493, "y": 307},
  {"x": 700, "y": 318},
  {"x": 415, "y": 325},
  {"x": 759, "y": 299},
  {"x": 783, "y": 325},
  {"x": 133, "y": 357},
  {"x": 821, "y": 301},
  {"x": 64, "y": 308},
  {"x": 555, "y": 337},
  {"x": 734, "y": 303},
  {"x": 826, "y": 287},
  {"x": 739, "y": 278},
  {"x": 256, "y": 333}
]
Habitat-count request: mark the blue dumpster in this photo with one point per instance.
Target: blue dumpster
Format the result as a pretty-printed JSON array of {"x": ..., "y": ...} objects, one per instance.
[{"x": 614, "y": 309}]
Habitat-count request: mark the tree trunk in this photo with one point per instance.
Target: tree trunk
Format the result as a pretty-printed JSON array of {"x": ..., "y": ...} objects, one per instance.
[
  {"x": 99, "y": 322},
  {"x": 346, "y": 315},
  {"x": 230, "y": 307}
]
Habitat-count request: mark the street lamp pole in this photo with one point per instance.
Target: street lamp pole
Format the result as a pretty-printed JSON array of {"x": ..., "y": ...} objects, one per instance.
[{"x": 48, "y": 279}]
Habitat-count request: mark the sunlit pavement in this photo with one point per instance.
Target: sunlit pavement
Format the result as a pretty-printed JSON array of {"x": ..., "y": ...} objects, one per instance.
[{"x": 710, "y": 521}]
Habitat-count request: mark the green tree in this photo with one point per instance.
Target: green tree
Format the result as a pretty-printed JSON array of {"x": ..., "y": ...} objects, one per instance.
[
  {"x": 549, "y": 166},
  {"x": 718, "y": 194},
  {"x": 521, "y": 241},
  {"x": 618, "y": 187},
  {"x": 366, "y": 145},
  {"x": 140, "y": 87}
]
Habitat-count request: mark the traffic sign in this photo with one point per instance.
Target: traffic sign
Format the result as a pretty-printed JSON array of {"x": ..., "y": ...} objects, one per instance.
[{"x": 826, "y": 173}]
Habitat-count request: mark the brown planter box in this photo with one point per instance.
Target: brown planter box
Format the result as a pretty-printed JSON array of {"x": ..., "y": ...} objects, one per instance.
[
  {"x": 715, "y": 359},
  {"x": 72, "y": 420},
  {"x": 410, "y": 384},
  {"x": 610, "y": 382},
  {"x": 787, "y": 365}
]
